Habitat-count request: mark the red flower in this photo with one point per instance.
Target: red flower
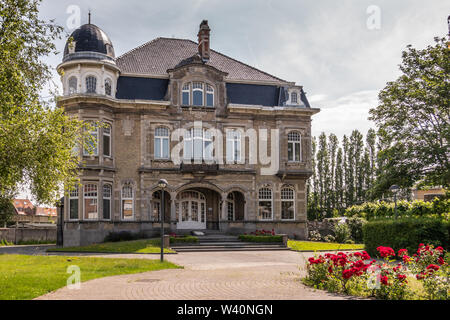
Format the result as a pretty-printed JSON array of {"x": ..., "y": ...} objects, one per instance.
[
  {"x": 347, "y": 273},
  {"x": 330, "y": 269},
  {"x": 440, "y": 249},
  {"x": 441, "y": 261},
  {"x": 386, "y": 252},
  {"x": 384, "y": 280},
  {"x": 402, "y": 252},
  {"x": 401, "y": 277},
  {"x": 433, "y": 267},
  {"x": 406, "y": 258}
]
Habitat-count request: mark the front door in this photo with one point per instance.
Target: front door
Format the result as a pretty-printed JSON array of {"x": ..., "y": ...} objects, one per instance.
[{"x": 192, "y": 210}]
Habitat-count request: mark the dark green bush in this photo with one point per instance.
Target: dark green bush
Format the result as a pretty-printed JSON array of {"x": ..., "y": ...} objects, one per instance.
[
  {"x": 405, "y": 233},
  {"x": 252, "y": 238},
  {"x": 185, "y": 239},
  {"x": 355, "y": 225},
  {"x": 124, "y": 236}
]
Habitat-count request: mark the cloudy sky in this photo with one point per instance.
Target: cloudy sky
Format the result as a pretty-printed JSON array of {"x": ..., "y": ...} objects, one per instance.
[{"x": 338, "y": 50}]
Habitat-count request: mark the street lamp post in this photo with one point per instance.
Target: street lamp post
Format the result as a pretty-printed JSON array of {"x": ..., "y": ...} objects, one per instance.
[
  {"x": 162, "y": 184},
  {"x": 395, "y": 189}
]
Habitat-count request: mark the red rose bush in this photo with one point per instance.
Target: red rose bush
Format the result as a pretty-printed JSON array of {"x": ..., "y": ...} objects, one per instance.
[{"x": 386, "y": 278}]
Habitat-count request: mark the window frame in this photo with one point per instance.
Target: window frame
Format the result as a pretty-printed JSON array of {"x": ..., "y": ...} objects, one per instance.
[
  {"x": 109, "y": 135},
  {"x": 74, "y": 195},
  {"x": 235, "y": 144},
  {"x": 94, "y": 83},
  {"x": 286, "y": 200},
  {"x": 108, "y": 198},
  {"x": 262, "y": 199},
  {"x": 206, "y": 90},
  {"x": 190, "y": 137},
  {"x": 108, "y": 81},
  {"x": 294, "y": 144},
  {"x": 127, "y": 198},
  {"x": 90, "y": 197},
  {"x": 162, "y": 139},
  {"x": 96, "y": 134},
  {"x": 294, "y": 94},
  {"x": 69, "y": 86}
]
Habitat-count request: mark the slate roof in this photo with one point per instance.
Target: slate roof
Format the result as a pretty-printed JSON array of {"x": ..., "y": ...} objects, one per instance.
[
  {"x": 159, "y": 55},
  {"x": 90, "y": 38}
]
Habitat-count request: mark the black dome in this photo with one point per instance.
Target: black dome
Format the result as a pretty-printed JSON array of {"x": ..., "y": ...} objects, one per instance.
[{"x": 89, "y": 38}]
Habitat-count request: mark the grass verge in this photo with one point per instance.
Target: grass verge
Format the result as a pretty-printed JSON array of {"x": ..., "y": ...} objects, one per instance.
[
  {"x": 135, "y": 246},
  {"x": 316, "y": 246},
  {"x": 27, "y": 277}
]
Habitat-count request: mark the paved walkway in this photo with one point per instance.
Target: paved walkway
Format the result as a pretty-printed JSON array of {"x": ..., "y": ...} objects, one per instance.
[{"x": 208, "y": 275}]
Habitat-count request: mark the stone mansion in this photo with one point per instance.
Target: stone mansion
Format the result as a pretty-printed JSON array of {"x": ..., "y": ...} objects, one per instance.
[{"x": 233, "y": 142}]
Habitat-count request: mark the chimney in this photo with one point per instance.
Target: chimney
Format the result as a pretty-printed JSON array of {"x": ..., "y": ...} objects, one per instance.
[{"x": 203, "y": 41}]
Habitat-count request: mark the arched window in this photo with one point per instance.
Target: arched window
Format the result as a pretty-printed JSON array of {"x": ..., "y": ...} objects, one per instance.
[
  {"x": 161, "y": 143},
  {"x": 91, "y": 84},
  {"x": 265, "y": 205},
  {"x": 197, "y": 93},
  {"x": 294, "y": 146},
  {"x": 230, "y": 207},
  {"x": 73, "y": 204},
  {"x": 186, "y": 94},
  {"x": 209, "y": 96},
  {"x": 127, "y": 201},
  {"x": 107, "y": 140},
  {"x": 287, "y": 204},
  {"x": 156, "y": 205},
  {"x": 108, "y": 86},
  {"x": 107, "y": 193},
  {"x": 90, "y": 202},
  {"x": 294, "y": 98},
  {"x": 73, "y": 82},
  {"x": 202, "y": 94}
]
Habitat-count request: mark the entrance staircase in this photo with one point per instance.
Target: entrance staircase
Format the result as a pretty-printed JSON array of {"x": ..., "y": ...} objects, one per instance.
[{"x": 217, "y": 241}]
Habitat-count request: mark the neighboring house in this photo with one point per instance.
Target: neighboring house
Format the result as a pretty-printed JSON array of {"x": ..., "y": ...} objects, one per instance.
[
  {"x": 429, "y": 194},
  {"x": 163, "y": 99},
  {"x": 26, "y": 212}
]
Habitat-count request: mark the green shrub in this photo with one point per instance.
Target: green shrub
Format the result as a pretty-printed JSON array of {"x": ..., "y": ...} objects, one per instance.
[
  {"x": 405, "y": 233},
  {"x": 342, "y": 232},
  {"x": 418, "y": 208},
  {"x": 124, "y": 236},
  {"x": 355, "y": 225},
  {"x": 252, "y": 238},
  {"x": 185, "y": 239}
]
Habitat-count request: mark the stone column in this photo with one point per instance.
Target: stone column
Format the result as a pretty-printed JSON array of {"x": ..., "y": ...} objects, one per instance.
[{"x": 224, "y": 207}]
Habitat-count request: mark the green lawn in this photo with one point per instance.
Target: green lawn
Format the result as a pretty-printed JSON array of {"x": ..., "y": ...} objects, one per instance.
[
  {"x": 26, "y": 277},
  {"x": 135, "y": 246},
  {"x": 315, "y": 246}
]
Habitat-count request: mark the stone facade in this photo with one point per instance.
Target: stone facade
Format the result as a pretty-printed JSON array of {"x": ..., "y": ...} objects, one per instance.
[{"x": 224, "y": 196}]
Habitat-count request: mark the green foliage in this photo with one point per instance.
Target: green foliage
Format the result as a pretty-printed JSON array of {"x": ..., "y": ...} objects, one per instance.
[
  {"x": 405, "y": 233},
  {"x": 124, "y": 236},
  {"x": 418, "y": 208},
  {"x": 6, "y": 211},
  {"x": 185, "y": 239},
  {"x": 36, "y": 140},
  {"x": 342, "y": 232},
  {"x": 413, "y": 120},
  {"x": 252, "y": 238}
]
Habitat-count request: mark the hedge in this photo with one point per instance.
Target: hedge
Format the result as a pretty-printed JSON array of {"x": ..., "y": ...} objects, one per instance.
[
  {"x": 185, "y": 239},
  {"x": 418, "y": 208},
  {"x": 405, "y": 233},
  {"x": 252, "y": 238}
]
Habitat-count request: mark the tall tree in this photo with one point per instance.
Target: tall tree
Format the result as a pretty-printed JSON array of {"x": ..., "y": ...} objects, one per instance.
[
  {"x": 413, "y": 120},
  {"x": 36, "y": 140},
  {"x": 339, "y": 181},
  {"x": 332, "y": 149}
]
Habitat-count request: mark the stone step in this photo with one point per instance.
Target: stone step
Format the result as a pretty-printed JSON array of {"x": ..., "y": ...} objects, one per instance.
[{"x": 227, "y": 244}]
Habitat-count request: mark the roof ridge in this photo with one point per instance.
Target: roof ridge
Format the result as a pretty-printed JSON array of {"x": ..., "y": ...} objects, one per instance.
[{"x": 222, "y": 54}]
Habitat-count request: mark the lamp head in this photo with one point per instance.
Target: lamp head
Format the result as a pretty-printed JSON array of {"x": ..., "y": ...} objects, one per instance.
[
  {"x": 394, "y": 189},
  {"x": 162, "y": 183}
]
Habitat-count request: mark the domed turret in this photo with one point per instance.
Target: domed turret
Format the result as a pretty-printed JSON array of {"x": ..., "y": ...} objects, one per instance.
[{"x": 89, "y": 42}]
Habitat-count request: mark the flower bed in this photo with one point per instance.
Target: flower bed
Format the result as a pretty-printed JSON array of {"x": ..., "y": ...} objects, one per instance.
[{"x": 425, "y": 275}]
